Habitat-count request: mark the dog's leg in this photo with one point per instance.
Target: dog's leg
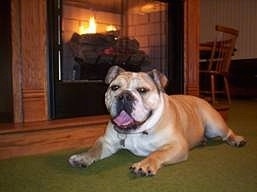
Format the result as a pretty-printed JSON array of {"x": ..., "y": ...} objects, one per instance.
[
  {"x": 168, "y": 154},
  {"x": 217, "y": 127},
  {"x": 220, "y": 129},
  {"x": 234, "y": 140},
  {"x": 100, "y": 150}
]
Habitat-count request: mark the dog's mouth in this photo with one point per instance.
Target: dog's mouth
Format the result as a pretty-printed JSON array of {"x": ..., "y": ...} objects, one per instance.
[{"x": 124, "y": 122}]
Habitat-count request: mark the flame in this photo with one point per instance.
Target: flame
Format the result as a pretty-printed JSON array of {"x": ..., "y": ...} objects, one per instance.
[
  {"x": 111, "y": 28},
  {"x": 91, "y": 27}
]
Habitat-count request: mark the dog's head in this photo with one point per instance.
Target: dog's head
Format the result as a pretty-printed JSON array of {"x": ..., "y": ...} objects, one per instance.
[{"x": 132, "y": 98}]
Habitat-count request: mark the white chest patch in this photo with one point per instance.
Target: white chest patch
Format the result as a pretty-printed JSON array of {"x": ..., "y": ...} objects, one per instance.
[{"x": 142, "y": 144}]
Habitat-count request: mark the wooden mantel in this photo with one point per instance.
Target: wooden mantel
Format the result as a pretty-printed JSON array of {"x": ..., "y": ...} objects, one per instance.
[
  {"x": 191, "y": 46},
  {"x": 30, "y": 78}
]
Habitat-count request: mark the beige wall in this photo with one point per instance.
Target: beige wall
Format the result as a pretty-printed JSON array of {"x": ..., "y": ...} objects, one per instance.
[
  {"x": 240, "y": 14},
  {"x": 150, "y": 29}
]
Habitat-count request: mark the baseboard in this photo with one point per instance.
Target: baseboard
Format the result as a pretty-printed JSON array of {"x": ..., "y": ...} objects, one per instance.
[{"x": 47, "y": 136}]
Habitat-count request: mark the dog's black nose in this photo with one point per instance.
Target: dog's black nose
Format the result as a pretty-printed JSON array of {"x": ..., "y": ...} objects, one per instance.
[
  {"x": 125, "y": 102},
  {"x": 125, "y": 97}
]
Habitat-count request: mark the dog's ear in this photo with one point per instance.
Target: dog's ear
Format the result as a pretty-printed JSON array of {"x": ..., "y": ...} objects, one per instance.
[
  {"x": 159, "y": 79},
  {"x": 112, "y": 73}
]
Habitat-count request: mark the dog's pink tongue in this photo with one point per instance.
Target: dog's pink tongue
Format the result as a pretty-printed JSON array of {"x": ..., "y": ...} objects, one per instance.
[{"x": 123, "y": 119}]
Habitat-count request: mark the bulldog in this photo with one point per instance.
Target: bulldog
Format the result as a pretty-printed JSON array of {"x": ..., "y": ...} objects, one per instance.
[{"x": 149, "y": 123}]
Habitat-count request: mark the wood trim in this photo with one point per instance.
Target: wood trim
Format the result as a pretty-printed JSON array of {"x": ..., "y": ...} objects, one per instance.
[
  {"x": 33, "y": 43},
  {"x": 191, "y": 45},
  {"x": 16, "y": 61},
  {"x": 34, "y": 102},
  {"x": 29, "y": 60},
  {"x": 47, "y": 136}
]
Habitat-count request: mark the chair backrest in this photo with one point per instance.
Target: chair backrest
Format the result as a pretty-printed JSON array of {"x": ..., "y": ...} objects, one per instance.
[{"x": 222, "y": 49}]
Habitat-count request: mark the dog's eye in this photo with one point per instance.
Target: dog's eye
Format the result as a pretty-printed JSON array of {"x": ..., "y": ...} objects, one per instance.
[
  {"x": 142, "y": 90},
  {"x": 115, "y": 87}
]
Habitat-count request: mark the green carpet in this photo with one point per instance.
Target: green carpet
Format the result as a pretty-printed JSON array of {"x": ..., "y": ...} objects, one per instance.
[{"x": 215, "y": 167}]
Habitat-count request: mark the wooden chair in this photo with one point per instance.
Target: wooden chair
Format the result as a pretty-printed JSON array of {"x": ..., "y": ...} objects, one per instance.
[{"x": 217, "y": 71}]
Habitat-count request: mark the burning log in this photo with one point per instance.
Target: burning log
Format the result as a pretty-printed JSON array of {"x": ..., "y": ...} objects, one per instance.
[{"x": 95, "y": 53}]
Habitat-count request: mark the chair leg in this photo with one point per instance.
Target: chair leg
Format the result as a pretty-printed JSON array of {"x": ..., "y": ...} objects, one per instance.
[
  {"x": 227, "y": 89},
  {"x": 213, "y": 89}
]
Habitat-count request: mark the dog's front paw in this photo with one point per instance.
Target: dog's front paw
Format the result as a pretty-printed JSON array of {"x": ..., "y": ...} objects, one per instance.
[
  {"x": 80, "y": 160},
  {"x": 146, "y": 167}
]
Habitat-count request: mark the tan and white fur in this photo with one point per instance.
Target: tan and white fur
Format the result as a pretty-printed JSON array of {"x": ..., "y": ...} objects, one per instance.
[{"x": 149, "y": 123}]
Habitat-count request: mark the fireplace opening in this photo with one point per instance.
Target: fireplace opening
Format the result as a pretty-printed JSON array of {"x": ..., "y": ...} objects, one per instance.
[
  {"x": 87, "y": 37},
  {"x": 131, "y": 34}
]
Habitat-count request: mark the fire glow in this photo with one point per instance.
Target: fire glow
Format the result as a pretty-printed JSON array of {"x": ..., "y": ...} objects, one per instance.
[{"x": 91, "y": 27}]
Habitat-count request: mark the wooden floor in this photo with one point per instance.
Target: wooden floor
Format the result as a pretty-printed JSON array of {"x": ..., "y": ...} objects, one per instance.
[{"x": 47, "y": 136}]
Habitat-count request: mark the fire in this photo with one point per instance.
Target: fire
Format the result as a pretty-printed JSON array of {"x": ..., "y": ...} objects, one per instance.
[
  {"x": 111, "y": 28},
  {"x": 91, "y": 28}
]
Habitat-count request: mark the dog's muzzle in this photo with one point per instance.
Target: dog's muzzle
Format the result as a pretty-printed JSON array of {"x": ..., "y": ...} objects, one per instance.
[
  {"x": 125, "y": 102},
  {"x": 123, "y": 121}
]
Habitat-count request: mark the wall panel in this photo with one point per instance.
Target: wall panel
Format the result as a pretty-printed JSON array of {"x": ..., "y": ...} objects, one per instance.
[{"x": 240, "y": 14}]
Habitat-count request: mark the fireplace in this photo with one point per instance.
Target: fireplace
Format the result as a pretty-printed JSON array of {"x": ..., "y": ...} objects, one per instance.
[
  {"x": 131, "y": 34},
  {"x": 90, "y": 36}
]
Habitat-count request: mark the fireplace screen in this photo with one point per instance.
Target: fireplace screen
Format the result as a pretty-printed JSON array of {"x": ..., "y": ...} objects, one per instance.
[{"x": 98, "y": 34}]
